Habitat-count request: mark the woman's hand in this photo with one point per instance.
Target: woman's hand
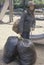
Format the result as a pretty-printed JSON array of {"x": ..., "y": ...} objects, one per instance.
[{"x": 20, "y": 33}]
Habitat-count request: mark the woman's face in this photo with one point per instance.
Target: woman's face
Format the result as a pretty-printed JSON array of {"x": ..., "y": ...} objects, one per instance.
[{"x": 31, "y": 7}]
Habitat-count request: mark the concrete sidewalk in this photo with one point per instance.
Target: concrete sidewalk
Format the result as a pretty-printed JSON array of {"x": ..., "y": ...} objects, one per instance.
[
  {"x": 39, "y": 61},
  {"x": 6, "y": 31}
]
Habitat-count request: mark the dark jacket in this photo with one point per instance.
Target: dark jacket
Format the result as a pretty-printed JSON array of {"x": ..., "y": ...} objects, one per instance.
[{"x": 26, "y": 22}]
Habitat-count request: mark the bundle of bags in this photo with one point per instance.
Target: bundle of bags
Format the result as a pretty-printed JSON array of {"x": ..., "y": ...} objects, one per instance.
[{"x": 19, "y": 49}]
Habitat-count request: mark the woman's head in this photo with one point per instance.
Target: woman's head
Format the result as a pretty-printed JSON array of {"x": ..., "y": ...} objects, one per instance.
[{"x": 31, "y": 5}]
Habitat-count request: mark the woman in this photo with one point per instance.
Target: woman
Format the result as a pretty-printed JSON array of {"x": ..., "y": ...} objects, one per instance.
[{"x": 27, "y": 20}]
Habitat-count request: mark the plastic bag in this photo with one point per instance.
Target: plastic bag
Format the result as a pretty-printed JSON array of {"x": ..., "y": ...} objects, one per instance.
[
  {"x": 26, "y": 52},
  {"x": 15, "y": 26},
  {"x": 10, "y": 49}
]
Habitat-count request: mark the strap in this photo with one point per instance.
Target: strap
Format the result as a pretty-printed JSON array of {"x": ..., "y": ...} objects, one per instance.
[{"x": 31, "y": 34}]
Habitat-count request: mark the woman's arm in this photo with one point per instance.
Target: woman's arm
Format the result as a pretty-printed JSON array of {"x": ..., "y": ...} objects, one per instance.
[{"x": 21, "y": 22}]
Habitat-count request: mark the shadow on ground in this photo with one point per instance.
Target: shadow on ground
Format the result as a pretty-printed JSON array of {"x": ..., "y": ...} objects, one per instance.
[{"x": 1, "y": 22}]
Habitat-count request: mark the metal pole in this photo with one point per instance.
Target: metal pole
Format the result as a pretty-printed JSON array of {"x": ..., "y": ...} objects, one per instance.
[{"x": 11, "y": 10}]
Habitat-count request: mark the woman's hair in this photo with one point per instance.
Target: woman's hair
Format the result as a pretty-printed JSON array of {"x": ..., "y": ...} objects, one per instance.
[{"x": 30, "y": 3}]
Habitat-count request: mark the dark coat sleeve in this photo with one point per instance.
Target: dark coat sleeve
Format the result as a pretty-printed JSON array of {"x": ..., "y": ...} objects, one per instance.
[{"x": 21, "y": 22}]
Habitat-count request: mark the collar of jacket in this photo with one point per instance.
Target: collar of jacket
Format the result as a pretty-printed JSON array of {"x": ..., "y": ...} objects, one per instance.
[{"x": 30, "y": 12}]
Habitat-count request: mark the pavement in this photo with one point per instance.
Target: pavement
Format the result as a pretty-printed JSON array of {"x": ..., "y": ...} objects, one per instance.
[
  {"x": 38, "y": 30},
  {"x": 6, "y": 31},
  {"x": 39, "y": 61}
]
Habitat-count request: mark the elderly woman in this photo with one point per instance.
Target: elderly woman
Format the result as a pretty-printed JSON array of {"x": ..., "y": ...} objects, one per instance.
[{"x": 27, "y": 20}]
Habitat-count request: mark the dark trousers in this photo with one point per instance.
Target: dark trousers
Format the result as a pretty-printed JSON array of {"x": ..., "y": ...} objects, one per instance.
[{"x": 25, "y": 35}]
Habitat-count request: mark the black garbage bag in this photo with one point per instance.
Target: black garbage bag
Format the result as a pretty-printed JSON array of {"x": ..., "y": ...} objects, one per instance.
[
  {"x": 10, "y": 49},
  {"x": 26, "y": 52}
]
